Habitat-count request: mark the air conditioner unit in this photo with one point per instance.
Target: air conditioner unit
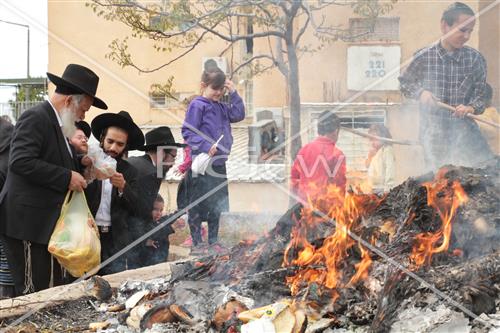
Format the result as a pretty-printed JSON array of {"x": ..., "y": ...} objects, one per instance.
[
  {"x": 220, "y": 61},
  {"x": 264, "y": 141}
]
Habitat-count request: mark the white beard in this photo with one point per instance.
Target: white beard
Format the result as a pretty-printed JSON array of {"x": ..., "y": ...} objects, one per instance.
[{"x": 68, "y": 119}]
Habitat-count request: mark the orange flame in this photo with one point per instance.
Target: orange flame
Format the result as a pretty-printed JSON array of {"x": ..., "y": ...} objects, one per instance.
[
  {"x": 362, "y": 267},
  {"x": 445, "y": 200},
  {"x": 325, "y": 264}
]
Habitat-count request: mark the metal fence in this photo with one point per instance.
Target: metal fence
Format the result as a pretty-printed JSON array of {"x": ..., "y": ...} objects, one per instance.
[{"x": 14, "y": 110}]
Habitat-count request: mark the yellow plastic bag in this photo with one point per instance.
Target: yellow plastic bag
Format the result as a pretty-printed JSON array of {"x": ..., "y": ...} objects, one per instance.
[{"x": 75, "y": 240}]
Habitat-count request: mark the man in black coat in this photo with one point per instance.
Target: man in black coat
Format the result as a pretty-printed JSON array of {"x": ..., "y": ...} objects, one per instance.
[
  {"x": 112, "y": 201},
  {"x": 6, "y": 129},
  {"x": 42, "y": 169},
  {"x": 6, "y": 282},
  {"x": 161, "y": 151}
]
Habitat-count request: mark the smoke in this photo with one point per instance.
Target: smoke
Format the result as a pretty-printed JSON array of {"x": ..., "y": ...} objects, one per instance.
[
  {"x": 444, "y": 140},
  {"x": 237, "y": 226},
  {"x": 447, "y": 139}
]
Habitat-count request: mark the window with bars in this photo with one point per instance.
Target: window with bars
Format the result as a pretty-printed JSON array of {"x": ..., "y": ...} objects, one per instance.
[
  {"x": 354, "y": 146},
  {"x": 160, "y": 101},
  {"x": 379, "y": 29}
]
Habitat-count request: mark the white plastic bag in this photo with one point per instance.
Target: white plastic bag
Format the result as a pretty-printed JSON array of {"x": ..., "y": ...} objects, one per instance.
[
  {"x": 103, "y": 165},
  {"x": 200, "y": 162}
]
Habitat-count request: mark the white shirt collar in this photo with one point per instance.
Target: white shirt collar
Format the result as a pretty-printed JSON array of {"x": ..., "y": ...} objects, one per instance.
[
  {"x": 153, "y": 160},
  {"x": 57, "y": 113}
]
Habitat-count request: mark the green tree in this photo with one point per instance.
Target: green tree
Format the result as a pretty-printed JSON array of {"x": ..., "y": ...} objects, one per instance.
[
  {"x": 26, "y": 96},
  {"x": 178, "y": 27}
]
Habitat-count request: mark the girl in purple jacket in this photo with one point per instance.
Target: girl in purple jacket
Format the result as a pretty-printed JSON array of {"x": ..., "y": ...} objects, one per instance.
[{"x": 207, "y": 119}]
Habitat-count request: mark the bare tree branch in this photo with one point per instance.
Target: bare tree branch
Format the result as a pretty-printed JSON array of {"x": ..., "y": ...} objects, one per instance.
[
  {"x": 304, "y": 27},
  {"x": 263, "y": 70},
  {"x": 227, "y": 48},
  {"x": 270, "y": 17},
  {"x": 241, "y": 37},
  {"x": 285, "y": 9},
  {"x": 323, "y": 4},
  {"x": 173, "y": 60},
  {"x": 252, "y": 59}
]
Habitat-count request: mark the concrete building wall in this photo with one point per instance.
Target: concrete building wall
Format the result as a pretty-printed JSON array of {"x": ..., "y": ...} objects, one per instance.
[
  {"x": 77, "y": 35},
  {"x": 489, "y": 44},
  {"x": 243, "y": 197}
]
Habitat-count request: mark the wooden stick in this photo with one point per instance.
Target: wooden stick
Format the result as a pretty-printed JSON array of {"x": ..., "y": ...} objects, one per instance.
[
  {"x": 468, "y": 115},
  {"x": 387, "y": 140}
]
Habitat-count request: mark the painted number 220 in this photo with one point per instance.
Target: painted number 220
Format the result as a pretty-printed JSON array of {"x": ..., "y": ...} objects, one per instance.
[{"x": 376, "y": 69}]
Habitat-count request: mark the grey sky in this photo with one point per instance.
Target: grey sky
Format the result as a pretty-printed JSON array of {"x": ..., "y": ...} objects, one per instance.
[{"x": 13, "y": 57}]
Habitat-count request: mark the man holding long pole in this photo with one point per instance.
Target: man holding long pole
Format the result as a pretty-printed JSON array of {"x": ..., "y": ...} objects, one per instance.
[{"x": 449, "y": 72}]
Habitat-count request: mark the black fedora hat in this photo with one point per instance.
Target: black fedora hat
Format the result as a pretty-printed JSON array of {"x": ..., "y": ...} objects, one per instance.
[
  {"x": 160, "y": 136},
  {"x": 78, "y": 79},
  {"x": 84, "y": 127},
  {"x": 122, "y": 120}
]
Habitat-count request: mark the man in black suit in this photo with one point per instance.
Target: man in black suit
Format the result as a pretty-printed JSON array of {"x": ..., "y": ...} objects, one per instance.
[
  {"x": 6, "y": 129},
  {"x": 112, "y": 201},
  {"x": 160, "y": 153},
  {"x": 42, "y": 169},
  {"x": 6, "y": 282}
]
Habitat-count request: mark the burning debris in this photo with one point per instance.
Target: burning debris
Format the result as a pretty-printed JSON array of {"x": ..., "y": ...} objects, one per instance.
[{"x": 424, "y": 258}]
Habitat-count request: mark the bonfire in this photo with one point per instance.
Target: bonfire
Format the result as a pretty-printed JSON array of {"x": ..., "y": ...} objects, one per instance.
[{"x": 422, "y": 258}]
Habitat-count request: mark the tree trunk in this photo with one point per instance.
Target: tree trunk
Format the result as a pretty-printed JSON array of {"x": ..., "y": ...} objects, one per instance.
[{"x": 294, "y": 100}]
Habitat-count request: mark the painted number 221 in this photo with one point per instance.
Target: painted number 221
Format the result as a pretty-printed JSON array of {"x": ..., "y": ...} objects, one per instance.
[{"x": 376, "y": 69}]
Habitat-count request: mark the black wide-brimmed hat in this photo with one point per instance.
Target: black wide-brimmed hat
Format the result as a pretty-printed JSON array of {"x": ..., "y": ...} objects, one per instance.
[
  {"x": 84, "y": 127},
  {"x": 122, "y": 120},
  {"x": 78, "y": 79},
  {"x": 160, "y": 136}
]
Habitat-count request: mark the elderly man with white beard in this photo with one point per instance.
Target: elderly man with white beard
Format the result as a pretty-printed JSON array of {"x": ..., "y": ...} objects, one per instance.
[{"x": 42, "y": 168}]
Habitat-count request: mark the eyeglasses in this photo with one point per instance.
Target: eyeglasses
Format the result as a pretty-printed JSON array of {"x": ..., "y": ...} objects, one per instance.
[
  {"x": 81, "y": 137},
  {"x": 174, "y": 156}
]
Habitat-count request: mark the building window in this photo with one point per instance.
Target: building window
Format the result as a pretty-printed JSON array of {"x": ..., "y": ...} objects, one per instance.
[
  {"x": 369, "y": 30},
  {"x": 160, "y": 101}
]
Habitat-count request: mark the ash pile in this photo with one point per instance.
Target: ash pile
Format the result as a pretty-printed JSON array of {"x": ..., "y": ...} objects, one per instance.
[{"x": 423, "y": 258}]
